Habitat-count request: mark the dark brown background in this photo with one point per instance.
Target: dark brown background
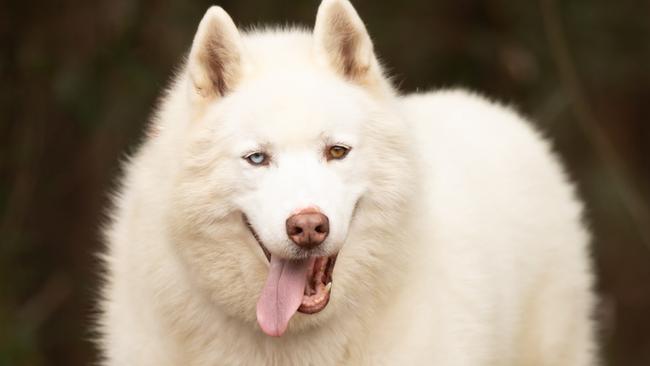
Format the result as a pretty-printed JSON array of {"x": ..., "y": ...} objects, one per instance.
[{"x": 79, "y": 79}]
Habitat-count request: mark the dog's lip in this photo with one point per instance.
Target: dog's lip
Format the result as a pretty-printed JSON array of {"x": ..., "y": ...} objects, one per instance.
[
  {"x": 319, "y": 286},
  {"x": 257, "y": 238}
]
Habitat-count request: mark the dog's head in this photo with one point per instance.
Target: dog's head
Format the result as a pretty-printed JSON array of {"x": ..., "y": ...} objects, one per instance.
[{"x": 293, "y": 158}]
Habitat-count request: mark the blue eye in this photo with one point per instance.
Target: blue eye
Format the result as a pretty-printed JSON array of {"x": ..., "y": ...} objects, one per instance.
[{"x": 257, "y": 158}]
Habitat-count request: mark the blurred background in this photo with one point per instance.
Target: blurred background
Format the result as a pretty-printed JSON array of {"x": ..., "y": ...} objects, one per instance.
[{"x": 80, "y": 78}]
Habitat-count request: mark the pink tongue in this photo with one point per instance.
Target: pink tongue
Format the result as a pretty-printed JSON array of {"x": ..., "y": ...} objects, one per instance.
[{"x": 282, "y": 294}]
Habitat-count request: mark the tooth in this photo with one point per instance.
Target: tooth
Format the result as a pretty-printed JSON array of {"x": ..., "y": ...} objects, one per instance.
[{"x": 328, "y": 287}]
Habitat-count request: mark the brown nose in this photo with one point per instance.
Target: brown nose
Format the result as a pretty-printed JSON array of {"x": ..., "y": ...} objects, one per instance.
[{"x": 308, "y": 230}]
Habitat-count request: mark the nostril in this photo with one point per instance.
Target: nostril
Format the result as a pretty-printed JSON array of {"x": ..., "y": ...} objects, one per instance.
[
  {"x": 320, "y": 229},
  {"x": 295, "y": 230}
]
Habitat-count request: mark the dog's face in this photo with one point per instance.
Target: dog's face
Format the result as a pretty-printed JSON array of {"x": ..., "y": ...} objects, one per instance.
[
  {"x": 296, "y": 148},
  {"x": 293, "y": 161}
]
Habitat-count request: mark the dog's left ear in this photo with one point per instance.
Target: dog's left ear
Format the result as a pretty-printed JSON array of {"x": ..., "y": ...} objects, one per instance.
[
  {"x": 342, "y": 40},
  {"x": 215, "y": 60}
]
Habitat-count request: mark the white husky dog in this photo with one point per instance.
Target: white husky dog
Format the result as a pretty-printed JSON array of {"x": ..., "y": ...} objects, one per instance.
[{"x": 290, "y": 208}]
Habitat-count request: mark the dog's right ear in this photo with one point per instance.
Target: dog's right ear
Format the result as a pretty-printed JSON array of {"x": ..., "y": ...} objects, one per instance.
[{"x": 215, "y": 61}]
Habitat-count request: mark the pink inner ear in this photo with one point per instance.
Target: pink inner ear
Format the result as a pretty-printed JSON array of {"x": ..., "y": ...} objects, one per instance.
[
  {"x": 215, "y": 58},
  {"x": 343, "y": 38}
]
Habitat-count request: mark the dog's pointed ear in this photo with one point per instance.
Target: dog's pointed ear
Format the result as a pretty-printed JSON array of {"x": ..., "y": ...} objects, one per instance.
[
  {"x": 215, "y": 60},
  {"x": 342, "y": 40}
]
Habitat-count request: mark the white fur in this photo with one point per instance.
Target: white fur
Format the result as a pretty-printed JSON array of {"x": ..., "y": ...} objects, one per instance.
[{"x": 459, "y": 237}]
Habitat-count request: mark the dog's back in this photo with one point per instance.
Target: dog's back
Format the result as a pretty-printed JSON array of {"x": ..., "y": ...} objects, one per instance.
[{"x": 504, "y": 275}]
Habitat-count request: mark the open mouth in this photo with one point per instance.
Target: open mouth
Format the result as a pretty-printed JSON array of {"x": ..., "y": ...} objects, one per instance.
[
  {"x": 302, "y": 285},
  {"x": 319, "y": 285}
]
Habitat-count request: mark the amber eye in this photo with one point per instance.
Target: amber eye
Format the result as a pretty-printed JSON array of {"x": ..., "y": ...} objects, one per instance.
[
  {"x": 337, "y": 152},
  {"x": 257, "y": 158}
]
